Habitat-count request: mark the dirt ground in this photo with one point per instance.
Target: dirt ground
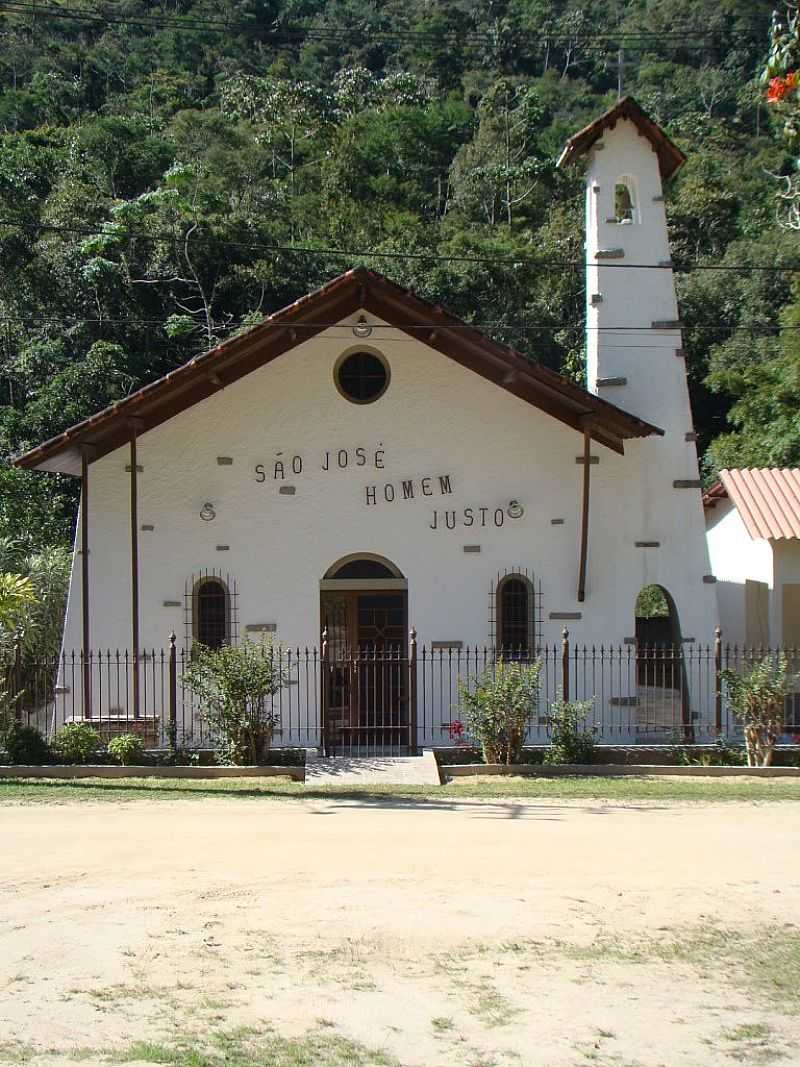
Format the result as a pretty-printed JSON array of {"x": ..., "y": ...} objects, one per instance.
[{"x": 452, "y": 932}]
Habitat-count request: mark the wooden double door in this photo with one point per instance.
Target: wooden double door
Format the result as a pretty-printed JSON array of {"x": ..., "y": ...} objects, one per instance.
[{"x": 365, "y": 672}]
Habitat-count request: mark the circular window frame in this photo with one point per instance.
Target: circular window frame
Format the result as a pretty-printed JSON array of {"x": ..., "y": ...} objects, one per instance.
[{"x": 353, "y": 351}]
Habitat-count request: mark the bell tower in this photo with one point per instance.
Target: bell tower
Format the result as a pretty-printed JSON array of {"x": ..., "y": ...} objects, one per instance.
[
  {"x": 634, "y": 352},
  {"x": 636, "y": 361}
]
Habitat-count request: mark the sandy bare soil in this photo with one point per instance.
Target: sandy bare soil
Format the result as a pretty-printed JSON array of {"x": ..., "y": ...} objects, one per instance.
[{"x": 446, "y": 932}]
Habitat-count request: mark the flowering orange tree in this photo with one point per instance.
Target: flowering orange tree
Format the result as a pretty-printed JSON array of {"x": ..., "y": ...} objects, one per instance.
[{"x": 781, "y": 81}]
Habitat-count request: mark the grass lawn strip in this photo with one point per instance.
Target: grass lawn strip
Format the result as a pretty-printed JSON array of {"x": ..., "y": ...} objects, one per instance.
[{"x": 61, "y": 791}]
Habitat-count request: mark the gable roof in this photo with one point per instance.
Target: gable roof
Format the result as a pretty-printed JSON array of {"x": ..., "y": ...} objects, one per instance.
[
  {"x": 347, "y": 294},
  {"x": 767, "y": 499},
  {"x": 670, "y": 157}
]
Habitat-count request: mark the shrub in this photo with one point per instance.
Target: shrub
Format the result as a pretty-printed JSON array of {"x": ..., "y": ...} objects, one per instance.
[
  {"x": 499, "y": 706},
  {"x": 758, "y": 700},
  {"x": 75, "y": 742},
  {"x": 24, "y": 744},
  {"x": 233, "y": 685},
  {"x": 570, "y": 740},
  {"x": 127, "y": 748}
]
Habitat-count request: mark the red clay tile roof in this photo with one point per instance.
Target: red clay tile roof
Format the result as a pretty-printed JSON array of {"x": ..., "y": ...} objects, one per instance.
[
  {"x": 670, "y": 157},
  {"x": 343, "y": 296},
  {"x": 768, "y": 500}
]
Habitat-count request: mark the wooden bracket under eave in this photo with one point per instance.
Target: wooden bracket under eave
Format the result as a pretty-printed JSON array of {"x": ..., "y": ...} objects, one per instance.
[{"x": 88, "y": 452}]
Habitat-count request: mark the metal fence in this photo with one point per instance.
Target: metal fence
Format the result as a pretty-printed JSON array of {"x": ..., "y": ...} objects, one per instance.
[{"x": 400, "y": 699}]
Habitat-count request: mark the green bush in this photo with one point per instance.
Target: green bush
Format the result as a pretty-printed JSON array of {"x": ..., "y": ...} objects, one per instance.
[
  {"x": 570, "y": 740},
  {"x": 499, "y": 706},
  {"x": 76, "y": 742},
  {"x": 24, "y": 744},
  {"x": 233, "y": 685},
  {"x": 758, "y": 700},
  {"x": 127, "y": 749}
]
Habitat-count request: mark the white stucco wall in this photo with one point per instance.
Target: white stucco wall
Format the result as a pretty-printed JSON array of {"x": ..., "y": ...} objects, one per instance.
[
  {"x": 736, "y": 557},
  {"x": 435, "y": 419}
]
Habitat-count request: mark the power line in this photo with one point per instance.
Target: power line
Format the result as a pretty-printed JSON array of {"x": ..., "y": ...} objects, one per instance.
[
  {"x": 678, "y": 37},
  {"x": 373, "y": 253},
  {"x": 520, "y": 327}
]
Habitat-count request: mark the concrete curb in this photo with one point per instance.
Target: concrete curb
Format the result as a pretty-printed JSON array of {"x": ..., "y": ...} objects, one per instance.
[
  {"x": 100, "y": 771},
  {"x": 613, "y": 770}
]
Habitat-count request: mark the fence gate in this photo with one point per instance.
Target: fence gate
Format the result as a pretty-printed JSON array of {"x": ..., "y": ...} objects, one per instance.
[{"x": 366, "y": 697}]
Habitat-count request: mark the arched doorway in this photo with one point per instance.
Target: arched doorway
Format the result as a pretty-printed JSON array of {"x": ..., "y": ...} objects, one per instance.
[
  {"x": 662, "y": 705},
  {"x": 365, "y": 688}
]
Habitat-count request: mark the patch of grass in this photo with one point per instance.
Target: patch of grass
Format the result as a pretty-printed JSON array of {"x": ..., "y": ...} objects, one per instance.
[
  {"x": 147, "y": 1051},
  {"x": 13, "y": 1052},
  {"x": 442, "y": 1025},
  {"x": 752, "y": 1043},
  {"x": 627, "y": 789},
  {"x": 491, "y": 1007},
  {"x": 250, "y": 1048},
  {"x": 767, "y": 964}
]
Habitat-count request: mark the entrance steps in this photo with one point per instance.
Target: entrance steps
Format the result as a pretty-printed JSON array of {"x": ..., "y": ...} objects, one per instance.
[{"x": 371, "y": 770}]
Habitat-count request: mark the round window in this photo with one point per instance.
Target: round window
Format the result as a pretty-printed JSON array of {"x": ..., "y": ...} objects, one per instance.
[{"x": 361, "y": 377}]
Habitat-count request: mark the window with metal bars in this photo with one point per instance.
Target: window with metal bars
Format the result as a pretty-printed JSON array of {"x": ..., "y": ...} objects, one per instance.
[
  {"x": 212, "y": 613},
  {"x": 514, "y": 614}
]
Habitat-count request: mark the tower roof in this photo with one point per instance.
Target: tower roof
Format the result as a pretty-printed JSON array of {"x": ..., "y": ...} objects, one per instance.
[{"x": 670, "y": 157}]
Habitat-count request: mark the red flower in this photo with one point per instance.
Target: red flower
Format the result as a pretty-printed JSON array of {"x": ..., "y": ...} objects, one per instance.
[
  {"x": 456, "y": 730},
  {"x": 779, "y": 88}
]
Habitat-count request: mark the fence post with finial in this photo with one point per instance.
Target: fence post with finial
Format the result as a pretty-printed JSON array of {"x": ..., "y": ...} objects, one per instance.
[
  {"x": 413, "y": 745},
  {"x": 718, "y": 680},
  {"x": 326, "y": 681},
  {"x": 16, "y": 685},
  {"x": 565, "y": 664},
  {"x": 173, "y": 696}
]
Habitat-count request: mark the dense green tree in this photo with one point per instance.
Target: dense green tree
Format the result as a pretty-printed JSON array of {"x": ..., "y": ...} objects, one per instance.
[{"x": 167, "y": 181}]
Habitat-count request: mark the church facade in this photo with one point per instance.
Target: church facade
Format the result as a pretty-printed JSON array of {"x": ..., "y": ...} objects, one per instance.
[{"x": 363, "y": 464}]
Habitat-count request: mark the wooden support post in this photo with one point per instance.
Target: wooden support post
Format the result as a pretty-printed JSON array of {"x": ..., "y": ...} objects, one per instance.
[
  {"x": 85, "y": 588},
  {"x": 587, "y": 467},
  {"x": 135, "y": 571}
]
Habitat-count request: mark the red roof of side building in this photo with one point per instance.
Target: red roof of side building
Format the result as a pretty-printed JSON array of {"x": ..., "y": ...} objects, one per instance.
[{"x": 767, "y": 498}]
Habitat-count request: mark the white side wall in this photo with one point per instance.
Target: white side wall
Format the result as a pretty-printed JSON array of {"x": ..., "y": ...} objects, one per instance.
[{"x": 735, "y": 558}]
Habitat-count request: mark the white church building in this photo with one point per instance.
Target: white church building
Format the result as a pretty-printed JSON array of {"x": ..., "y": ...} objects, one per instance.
[{"x": 363, "y": 464}]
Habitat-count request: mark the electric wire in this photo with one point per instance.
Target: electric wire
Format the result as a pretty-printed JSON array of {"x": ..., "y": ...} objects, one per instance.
[
  {"x": 677, "y": 266},
  {"x": 620, "y": 37}
]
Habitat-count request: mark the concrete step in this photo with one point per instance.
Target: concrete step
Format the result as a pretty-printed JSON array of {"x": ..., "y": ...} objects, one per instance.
[{"x": 372, "y": 770}]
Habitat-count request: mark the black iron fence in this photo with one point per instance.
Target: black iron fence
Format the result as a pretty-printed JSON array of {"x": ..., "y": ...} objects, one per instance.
[{"x": 399, "y": 699}]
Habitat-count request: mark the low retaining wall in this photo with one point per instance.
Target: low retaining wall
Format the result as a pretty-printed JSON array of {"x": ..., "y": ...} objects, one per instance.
[
  {"x": 102, "y": 771},
  {"x": 608, "y": 770}
]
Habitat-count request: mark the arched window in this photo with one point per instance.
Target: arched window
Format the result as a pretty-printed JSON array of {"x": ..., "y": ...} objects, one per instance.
[
  {"x": 363, "y": 565},
  {"x": 515, "y": 614},
  {"x": 624, "y": 202},
  {"x": 211, "y": 621}
]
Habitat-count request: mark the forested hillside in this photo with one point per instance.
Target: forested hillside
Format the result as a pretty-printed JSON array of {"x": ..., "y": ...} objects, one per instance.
[{"x": 170, "y": 173}]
